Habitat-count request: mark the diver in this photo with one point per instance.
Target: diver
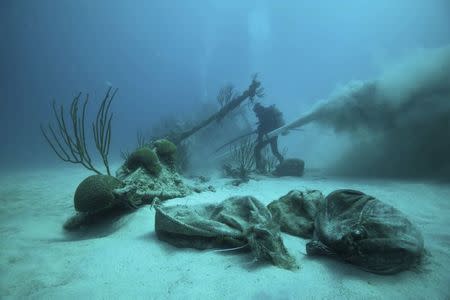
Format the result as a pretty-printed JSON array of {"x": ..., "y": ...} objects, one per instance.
[{"x": 269, "y": 119}]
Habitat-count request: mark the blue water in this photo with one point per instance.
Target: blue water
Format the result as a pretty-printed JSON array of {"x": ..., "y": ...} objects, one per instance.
[{"x": 167, "y": 58}]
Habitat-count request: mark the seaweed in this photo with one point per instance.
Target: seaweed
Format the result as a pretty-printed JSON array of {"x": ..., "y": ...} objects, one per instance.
[{"x": 68, "y": 141}]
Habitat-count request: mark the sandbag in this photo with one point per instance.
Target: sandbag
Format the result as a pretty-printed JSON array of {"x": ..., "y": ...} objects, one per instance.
[
  {"x": 235, "y": 222},
  {"x": 290, "y": 167},
  {"x": 364, "y": 231},
  {"x": 296, "y": 211}
]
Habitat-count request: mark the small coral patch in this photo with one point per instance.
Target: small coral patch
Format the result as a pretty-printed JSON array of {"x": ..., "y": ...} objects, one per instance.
[
  {"x": 166, "y": 151},
  {"x": 144, "y": 157}
]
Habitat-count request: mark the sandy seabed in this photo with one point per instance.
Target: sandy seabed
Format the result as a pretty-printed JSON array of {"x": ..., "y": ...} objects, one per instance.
[{"x": 37, "y": 259}]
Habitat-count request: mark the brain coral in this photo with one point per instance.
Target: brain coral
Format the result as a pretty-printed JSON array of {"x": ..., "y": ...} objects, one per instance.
[
  {"x": 94, "y": 193},
  {"x": 144, "y": 157},
  {"x": 166, "y": 151}
]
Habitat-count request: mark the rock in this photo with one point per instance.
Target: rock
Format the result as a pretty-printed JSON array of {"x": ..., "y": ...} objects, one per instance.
[
  {"x": 142, "y": 188},
  {"x": 290, "y": 167}
]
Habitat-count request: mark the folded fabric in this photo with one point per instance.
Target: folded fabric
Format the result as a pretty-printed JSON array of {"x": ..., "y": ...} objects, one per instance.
[
  {"x": 235, "y": 222},
  {"x": 296, "y": 211},
  {"x": 347, "y": 224},
  {"x": 364, "y": 231}
]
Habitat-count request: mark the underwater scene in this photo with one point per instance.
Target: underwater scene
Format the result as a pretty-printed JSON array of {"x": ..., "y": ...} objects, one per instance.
[{"x": 212, "y": 149}]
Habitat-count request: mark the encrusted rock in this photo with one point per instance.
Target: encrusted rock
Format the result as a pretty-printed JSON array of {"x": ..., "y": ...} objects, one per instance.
[{"x": 142, "y": 188}]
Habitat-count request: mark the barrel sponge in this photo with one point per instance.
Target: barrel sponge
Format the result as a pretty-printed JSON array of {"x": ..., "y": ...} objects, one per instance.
[
  {"x": 95, "y": 193},
  {"x": 144, "y": 157},
  {"x": 166, "y": 151}
]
